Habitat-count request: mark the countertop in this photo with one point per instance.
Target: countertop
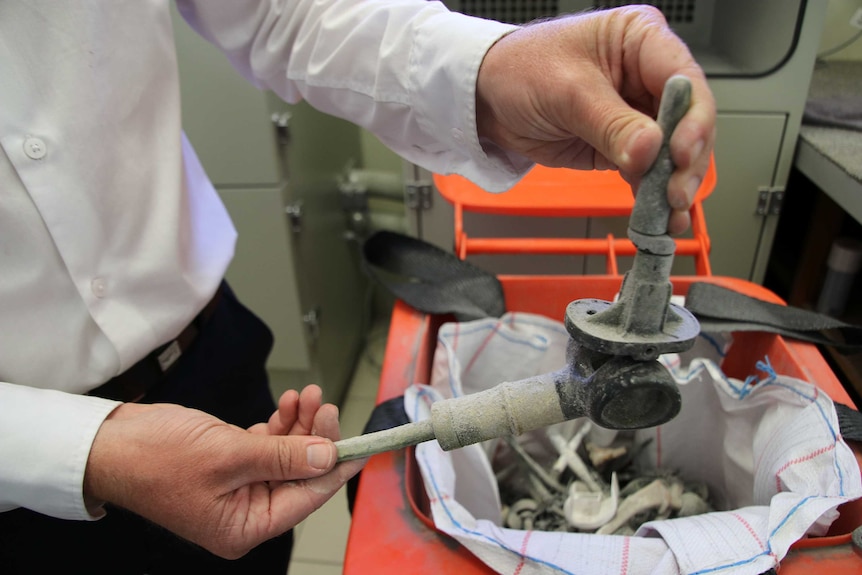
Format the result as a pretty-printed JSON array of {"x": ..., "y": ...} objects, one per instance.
[{"x": 829, "y": 150}]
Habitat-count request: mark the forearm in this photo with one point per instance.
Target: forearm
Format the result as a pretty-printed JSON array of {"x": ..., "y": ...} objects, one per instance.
[
  {"x": 45, "y": 440},
  {"x": 404, "y": 69}
]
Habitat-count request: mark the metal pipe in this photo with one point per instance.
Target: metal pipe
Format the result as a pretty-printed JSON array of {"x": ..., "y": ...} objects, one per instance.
[
  {"x": 377, "y": 183},
  {"x": 385, "y": 440},
  {"x": 615, "y": 392}
]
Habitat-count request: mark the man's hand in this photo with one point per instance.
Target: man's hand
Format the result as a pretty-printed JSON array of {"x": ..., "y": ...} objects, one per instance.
[
  {"x": 582, "y": 91},
  {"x": 222, "y": 487}
]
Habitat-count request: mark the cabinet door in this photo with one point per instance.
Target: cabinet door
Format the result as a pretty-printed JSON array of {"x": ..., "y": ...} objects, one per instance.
[
  {"x": 262, "y": 271},
  {"x": 746, "y": 153},
  {"x": 228, "y": 122},
  {"x": 316, "y": 152},
  {"x": 302, "y": 277}
]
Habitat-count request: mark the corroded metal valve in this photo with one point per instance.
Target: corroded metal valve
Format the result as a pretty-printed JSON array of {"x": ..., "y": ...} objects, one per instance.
[
  {"x": 612, "y": 375},
  {"x": 643, "y": 323}
]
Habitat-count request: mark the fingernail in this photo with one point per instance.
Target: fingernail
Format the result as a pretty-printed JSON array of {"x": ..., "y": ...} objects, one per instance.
[
  {"x": 319, "y": 455},
  {"x": 633, "y": 147},
  {"x": 630, "y": 145},
  {"x": 691, "y": 188}
]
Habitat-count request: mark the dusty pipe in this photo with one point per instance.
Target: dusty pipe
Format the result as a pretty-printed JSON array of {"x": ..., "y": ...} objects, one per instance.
[
  {"x": 377, "y": 183},
  {"x": 616, "y": 392}
]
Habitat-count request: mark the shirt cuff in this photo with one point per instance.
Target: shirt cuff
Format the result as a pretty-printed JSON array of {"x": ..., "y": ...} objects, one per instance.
[
  {"x": 45, "y": 441},
  {"x": 445, "y": 97}
]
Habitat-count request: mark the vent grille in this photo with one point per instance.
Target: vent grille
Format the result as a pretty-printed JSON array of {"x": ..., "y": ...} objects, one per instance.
[
  {"x": 523, "y": 11},
  {"x": 510, "y": 11},
  {"x": 675, "y": 11}
]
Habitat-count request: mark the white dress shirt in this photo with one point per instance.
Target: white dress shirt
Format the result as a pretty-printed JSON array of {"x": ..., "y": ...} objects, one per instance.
[{"x": 111, "y": 236}]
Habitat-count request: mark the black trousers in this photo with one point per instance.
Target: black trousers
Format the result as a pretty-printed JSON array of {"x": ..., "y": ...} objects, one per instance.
[{"x": 222, "y": 373}]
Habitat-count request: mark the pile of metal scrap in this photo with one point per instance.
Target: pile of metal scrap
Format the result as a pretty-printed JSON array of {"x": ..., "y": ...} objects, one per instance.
[{"x": 591, "y": 486}]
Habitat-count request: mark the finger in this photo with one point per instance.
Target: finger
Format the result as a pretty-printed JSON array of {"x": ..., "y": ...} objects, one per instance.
[
  {"x": 326, "y": 423},
  {"x": 293, "y": 502},
  {"x": 328, "y": 484},
  {"x": 609, "y": 99},
  {"x": 621, "y": 135},
  {"x": 692, "y": 141},
  {"x": 281, "y": 457},
  {"x": 660, "y": 55},
  {"x": 633, "y": 141},
  {"x": 678, "y": 221},
  {"x": 690, "y": 168},
  {"x": 287, "y": 413},
  {"x": 309, "y": 403}
]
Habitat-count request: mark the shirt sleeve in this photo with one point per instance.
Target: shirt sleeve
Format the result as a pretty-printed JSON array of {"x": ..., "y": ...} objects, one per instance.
[
  {"x": 403, "y": 69},
  {"x": 46, "y": 472}
]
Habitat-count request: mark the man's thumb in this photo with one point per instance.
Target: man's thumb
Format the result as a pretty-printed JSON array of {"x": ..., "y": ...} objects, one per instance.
[
  {"x": 627, "y": 138},
  {"x": 320, "y": 456},
  {"x": 286, "y": 457},
  {"x": 636, "y": 146}
]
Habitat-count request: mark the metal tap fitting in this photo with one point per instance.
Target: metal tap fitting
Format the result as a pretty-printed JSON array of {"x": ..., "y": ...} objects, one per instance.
[
  {"x": 642, "y": 323},
  {"x": 612, "y": 376}
]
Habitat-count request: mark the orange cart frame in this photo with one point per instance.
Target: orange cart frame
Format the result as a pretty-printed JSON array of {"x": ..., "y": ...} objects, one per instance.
[
  {"x": 554, "y": 192},
  {"x": 391, "y": 532}
]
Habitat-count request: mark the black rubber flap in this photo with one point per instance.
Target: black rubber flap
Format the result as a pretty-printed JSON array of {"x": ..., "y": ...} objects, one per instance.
[
  {"x": 718, "y": 308},
  {"x": 849, "y": 422},
  {"x": 430, "y": 279}
]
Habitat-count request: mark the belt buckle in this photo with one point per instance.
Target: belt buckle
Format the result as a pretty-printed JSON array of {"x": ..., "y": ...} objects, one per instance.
[{"x": 169, "y": 355}]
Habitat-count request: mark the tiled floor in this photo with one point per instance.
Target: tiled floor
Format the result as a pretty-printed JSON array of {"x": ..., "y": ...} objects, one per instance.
[{"x": 322, "y": 538}]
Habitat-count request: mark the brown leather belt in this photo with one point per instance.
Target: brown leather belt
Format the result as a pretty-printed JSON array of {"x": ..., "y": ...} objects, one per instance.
[{"x": 135, "y": 382}]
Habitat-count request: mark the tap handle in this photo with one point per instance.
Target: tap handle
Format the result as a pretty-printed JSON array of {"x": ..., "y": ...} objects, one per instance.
[{"x": 651, "y": 210}]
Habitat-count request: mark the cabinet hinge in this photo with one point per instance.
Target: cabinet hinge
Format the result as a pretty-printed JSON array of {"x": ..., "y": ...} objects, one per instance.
[
  {"x": 294, "y": 216},
  {"x": 281, "y": 123},
  {"x": 769, "y": 201},
  {"x": 311, "y": 319},
  {"x": 418, "y": 196}
]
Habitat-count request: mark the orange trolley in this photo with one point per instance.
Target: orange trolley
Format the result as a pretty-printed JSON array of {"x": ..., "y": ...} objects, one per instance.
[
  {"x": 391, "y": 530},
  {"x": 554, "y": 192}
]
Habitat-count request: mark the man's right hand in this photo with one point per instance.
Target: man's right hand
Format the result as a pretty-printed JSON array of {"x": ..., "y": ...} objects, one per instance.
[{"x": 581, "y": 92}]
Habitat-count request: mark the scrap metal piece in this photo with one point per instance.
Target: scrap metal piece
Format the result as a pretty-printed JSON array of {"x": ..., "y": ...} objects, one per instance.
[
  {"x": 692, "y": 504},
  {"x": 654, "y": 496},
  {"x": 571, "y": 459},
  {"x": 600, "y": 456},
  {"x": 536, "y": 469},
  {"x": 588, "y": 510},
  {"x": 521, "y": 514}
]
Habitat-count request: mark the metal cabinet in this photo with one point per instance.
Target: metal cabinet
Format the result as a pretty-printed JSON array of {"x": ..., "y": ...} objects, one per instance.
[
  {"x": 749, "y": 150},
  {"x": 758, "y": 126},
  {"x": 276, "y": 167}
]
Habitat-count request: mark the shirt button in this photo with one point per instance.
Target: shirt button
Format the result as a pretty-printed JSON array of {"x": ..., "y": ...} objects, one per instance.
[
  {"x": 35, "y": 148},
  {"x": 99, "y": 287}
]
